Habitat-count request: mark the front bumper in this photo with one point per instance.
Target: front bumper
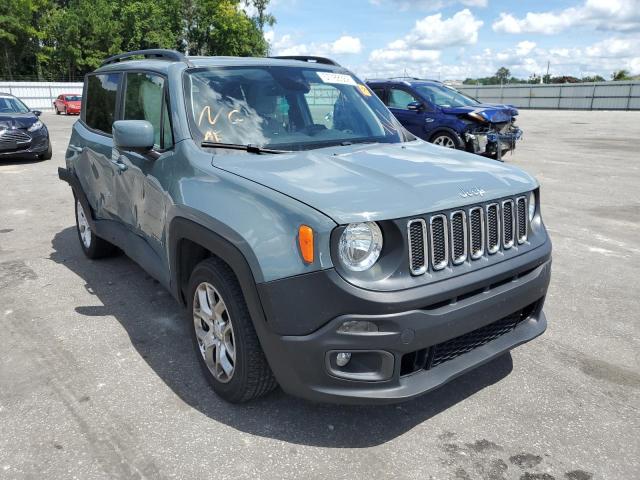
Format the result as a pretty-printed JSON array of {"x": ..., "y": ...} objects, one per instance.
[
  {"x": 411, "y": 323},
  {"x": 38, "y": 145},
  {"x": 488, "y": 142}
]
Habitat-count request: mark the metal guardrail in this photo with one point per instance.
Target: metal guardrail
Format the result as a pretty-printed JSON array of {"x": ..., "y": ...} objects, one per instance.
[
  {"x": 623, "y": 95},
  {"x": 40, "y": 95}
]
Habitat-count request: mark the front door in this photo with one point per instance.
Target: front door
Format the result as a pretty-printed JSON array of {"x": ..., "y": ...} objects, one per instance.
[
  {"x": 142, "y": 198},
  {"x": 412, "y": 120}
]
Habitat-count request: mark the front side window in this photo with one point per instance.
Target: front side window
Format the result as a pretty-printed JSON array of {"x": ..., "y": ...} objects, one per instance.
[
  {"x": 400, "y": 99},
  {"x": 102, "y": 93},
  {"x": 445, "y": 96},
  {"x": 288, "y": 108},
  {"x": 12, "y": 105},
  {"x": 145, "y": 100}
]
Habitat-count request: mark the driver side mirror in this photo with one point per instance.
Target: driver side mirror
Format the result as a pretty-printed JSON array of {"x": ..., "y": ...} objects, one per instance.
[
  {"x": 37, "y": 113},
  {"x": 415, "y": 106},
  {"x": 133, "y": 135}
]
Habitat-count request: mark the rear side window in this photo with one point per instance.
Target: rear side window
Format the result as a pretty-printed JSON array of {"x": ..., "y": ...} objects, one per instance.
[
  {"x": 100, "y": 109},
  {"x": 145, "y": 99}
]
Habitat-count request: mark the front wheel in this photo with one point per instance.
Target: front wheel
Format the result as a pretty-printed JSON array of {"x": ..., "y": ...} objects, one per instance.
[
  {"x": 48, "y": 154},
  {"x": 57, "y": 111},
  {"x": 92, "y": 245},
  {"x": 446, "y": 140},
  {"x": 225, "y": 340}
]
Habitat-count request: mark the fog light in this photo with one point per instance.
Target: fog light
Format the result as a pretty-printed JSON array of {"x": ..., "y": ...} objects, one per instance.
[{"x": 343, "y": 358}]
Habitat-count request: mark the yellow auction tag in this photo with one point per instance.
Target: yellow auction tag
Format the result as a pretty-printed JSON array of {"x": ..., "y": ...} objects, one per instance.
[{"x": 364, "y": 90}]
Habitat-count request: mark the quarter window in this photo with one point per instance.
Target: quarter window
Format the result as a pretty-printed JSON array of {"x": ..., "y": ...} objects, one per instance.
[
  {"x": 400, "y": 99},
  {"x": 102, "y": 92},
  {"x": 145, "y": 100}
]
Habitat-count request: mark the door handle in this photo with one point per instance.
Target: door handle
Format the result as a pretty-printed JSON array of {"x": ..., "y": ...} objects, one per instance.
[{"x": 120, "y": 165}]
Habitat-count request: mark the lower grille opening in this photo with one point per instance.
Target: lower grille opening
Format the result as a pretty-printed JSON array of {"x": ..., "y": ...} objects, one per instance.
[{"x": 453, "y": 348}]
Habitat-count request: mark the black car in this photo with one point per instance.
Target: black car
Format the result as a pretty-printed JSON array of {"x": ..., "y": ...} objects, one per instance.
[{"x": 22, "y": 133}]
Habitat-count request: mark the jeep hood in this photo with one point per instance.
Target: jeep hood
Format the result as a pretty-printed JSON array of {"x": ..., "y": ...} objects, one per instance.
[
  {"x": 493, "y": 113},
  {"x": 379, "y": 181}
]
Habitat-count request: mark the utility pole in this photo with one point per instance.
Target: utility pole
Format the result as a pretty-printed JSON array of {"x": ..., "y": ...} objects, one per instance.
[{"x": 547, "y": 75}]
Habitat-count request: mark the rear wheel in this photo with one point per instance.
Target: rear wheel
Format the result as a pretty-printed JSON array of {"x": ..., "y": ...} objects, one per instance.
[
  {"x": 92, "y": 245},
  {"x": 446, "y": 140},
  {"x": 225, "y": 340}
]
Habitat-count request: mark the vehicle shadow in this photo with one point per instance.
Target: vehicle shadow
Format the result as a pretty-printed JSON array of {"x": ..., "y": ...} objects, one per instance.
[{"x": 159, "y": 331}]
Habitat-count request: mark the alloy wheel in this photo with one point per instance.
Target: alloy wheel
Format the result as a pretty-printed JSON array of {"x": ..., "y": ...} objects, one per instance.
[
  {"x": 444, "y": 141},
  {"x": 214, "y": 332},
  {"x": 83, "y": 225}
]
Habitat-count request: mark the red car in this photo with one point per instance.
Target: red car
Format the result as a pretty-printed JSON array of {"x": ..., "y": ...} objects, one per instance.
[{"x": 69, "y": 103}]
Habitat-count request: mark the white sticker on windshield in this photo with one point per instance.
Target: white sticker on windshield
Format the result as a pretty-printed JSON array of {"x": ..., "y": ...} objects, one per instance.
[{"x": 339, "y": 78}]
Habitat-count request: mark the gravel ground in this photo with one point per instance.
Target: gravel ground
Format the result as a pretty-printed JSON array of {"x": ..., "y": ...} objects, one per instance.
[{"x": 98, "y": 378}]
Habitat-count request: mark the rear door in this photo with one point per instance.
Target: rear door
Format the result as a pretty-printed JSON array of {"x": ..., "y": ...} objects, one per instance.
[
  {"x": 398, "y": 100},
  {"x": 92, "y": 145}
]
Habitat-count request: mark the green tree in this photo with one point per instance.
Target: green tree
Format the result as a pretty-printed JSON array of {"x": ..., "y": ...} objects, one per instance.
[
  {"x": 220, "y": 27},
  {"x": 620, "y": 75},
  {"x": 77, "y": 38},
  {"x": 262, "y": 18},
  {"x": 149, "y": 24},
  {"x": 503, "y": 74}
]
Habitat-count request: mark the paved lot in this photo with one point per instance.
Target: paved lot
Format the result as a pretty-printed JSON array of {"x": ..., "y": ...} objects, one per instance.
[{"x": 98, "y": 378}]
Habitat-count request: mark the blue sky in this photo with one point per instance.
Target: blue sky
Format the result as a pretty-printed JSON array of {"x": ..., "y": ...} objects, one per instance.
[{"x": 455, "y": 39}]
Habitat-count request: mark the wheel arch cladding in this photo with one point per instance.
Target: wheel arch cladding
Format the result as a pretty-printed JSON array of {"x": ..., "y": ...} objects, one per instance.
[{"x": 190, "y": 243}]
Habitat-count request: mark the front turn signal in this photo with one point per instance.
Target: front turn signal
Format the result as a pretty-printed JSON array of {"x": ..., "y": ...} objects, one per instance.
[{"x": 305, "y": 243}]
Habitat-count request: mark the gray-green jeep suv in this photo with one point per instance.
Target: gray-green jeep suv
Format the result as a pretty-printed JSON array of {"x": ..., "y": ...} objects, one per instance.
[{"x": 315, "y": 242}]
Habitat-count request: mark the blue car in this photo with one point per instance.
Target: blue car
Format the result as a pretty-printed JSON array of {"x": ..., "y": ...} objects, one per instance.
[{"x": 444, "y": 116}]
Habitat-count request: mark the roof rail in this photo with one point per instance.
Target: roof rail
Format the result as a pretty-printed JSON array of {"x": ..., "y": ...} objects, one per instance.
[
  {"x": 401, "y": 78},
  {"x": 157, "y": 53},
  {"x": 310, "y": 59}
]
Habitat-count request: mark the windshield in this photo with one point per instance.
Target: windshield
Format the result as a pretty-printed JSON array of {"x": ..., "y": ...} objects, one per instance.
[
  {"x": 286, "y": 108},
  {"x": 443, "y": 96},
  {"x": 72, "y": 98},
  {"x": 12, "y": 105}
]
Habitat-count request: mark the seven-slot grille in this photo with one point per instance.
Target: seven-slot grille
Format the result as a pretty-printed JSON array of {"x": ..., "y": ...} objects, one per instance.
[
  {"x": 417, "y": 230},
  {"x": 466, "y": 234},
  {"x": 12, "y": 138},
  {"x": 439, "y": 242}
]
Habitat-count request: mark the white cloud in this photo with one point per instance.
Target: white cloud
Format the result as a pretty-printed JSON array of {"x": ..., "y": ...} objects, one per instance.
[
  {"x": 523, "y": 59},
  {"x": 285, "y": 45},
  {"x": 430, "y": 35},
  {"x": 346, "y": 44},
  {"x": 609, "y": 15},
  {"x": 431, "y": 4}
]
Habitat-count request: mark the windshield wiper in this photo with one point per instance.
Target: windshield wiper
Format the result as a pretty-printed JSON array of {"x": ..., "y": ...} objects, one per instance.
[{"x": 237, "y": 146}]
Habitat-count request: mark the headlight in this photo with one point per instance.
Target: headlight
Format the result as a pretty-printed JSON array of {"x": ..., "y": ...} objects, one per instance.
[
  {"x": 477, "y": 116},
  {"x": 36, "y": 126},
  {"x": 360, "y": 246},
  {"x": 532, "y": 205}
]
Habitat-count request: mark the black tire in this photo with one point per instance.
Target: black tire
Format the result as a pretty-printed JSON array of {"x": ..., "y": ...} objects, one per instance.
[
  {"x": 57, "y": 111},
  {"x": 97, "y": 247},
  {"x": 252, "y": 376},
  {"x": 455, "y": 139},
  {"x": 48, "y": 154}
]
